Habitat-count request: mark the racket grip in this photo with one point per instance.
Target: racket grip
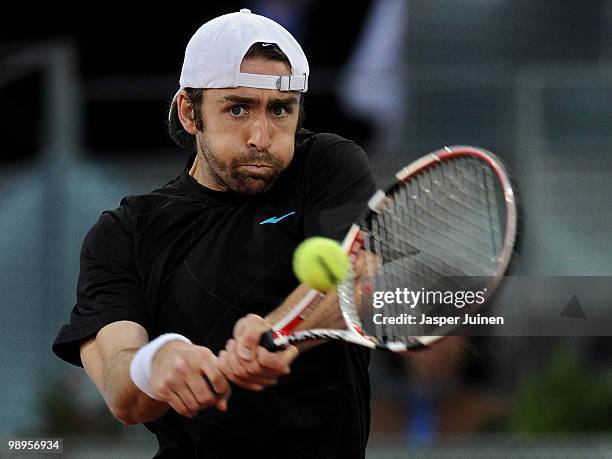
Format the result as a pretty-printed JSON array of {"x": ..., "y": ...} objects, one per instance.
[{"x": 267, "y": 341}]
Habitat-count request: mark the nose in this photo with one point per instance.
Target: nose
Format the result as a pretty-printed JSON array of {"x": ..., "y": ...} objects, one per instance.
[{"x": 259, "y": 133}]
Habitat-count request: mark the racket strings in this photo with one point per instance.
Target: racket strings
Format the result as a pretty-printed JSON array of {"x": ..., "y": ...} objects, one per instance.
[
  {"x": 462, "y": 219},
  {"x": 485, "y": 180},
  {"x": 426, "y": 224},
  {"x": 496, "y": 235},
  {"x": 444, "y": 224}
]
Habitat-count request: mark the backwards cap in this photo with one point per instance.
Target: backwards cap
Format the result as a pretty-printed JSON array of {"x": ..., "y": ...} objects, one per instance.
[{"x": 215, "y": 52}]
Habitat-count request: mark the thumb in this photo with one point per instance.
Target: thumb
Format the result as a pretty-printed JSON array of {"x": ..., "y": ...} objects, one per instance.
[{"x": 248, "y": 334}]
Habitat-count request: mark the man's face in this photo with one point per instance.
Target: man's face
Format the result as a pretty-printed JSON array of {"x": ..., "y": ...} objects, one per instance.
[{"x": 249, "y": 133}]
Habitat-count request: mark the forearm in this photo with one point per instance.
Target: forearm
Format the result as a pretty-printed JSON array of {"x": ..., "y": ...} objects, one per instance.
[
  {"x": 127, "y": 402},
  {"x": 323, "y": 313}
]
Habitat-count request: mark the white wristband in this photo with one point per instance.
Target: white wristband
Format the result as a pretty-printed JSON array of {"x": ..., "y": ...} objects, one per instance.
[{"x": 140, "y": 368}]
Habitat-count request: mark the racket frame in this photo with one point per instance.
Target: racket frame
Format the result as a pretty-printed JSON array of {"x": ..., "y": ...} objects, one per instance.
[{"x": 284, "y": 333}]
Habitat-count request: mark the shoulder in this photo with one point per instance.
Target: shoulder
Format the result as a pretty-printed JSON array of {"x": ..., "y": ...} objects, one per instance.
[
  {"x": 133, "y": 210},
  {"x": 112, "y": 231},
  {"x": 318, "y": 142},
  {"x": 326, "y": 150}
]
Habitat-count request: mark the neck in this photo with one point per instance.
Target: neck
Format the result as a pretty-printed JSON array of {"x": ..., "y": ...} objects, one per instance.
[
  {"x": 194, "y": 168},
  {"x": 199, "y": 173}
]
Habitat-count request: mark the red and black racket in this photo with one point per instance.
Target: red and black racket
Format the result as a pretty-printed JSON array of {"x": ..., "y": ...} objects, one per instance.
[{"x": 448, "y": 223}]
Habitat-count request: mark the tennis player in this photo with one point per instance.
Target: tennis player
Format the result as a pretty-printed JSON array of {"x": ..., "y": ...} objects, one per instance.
[{"x": 177, "y": 285}]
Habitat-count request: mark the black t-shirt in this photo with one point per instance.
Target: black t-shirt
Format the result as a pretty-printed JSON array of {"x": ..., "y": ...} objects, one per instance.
[{"x": 191, "y": 260}]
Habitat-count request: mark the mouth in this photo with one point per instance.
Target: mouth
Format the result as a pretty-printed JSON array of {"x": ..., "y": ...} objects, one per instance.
[{"x": 256, "y": 167}]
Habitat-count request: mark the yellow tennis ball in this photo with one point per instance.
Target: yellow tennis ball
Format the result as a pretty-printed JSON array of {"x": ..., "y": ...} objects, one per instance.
[{"x": 320, "y": 263}]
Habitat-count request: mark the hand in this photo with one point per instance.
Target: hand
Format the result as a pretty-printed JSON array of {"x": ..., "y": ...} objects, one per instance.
[
  {"x": 249, "y": 365},
  {"x": 188, "y": 378}
]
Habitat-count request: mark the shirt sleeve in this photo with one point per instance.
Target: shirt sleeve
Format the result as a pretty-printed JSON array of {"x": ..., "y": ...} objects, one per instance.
[
  {"x": 338, "y": 183},
  {"x": 109, "y": 287}
]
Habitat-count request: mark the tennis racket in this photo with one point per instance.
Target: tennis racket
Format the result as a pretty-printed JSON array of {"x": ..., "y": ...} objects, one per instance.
[{"x": 448, "y": 223}]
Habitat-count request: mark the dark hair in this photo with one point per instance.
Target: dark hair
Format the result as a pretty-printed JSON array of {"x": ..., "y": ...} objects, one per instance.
[{"x": 186, "y": 140}]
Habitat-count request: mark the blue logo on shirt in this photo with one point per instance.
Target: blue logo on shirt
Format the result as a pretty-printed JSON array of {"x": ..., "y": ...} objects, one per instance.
[{"x": 276, "y": 219}]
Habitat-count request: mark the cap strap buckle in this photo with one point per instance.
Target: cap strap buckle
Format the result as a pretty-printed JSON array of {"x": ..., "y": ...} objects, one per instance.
[
  {"x": 282, "y": 82},
  {"x": 291, "y": 83}
]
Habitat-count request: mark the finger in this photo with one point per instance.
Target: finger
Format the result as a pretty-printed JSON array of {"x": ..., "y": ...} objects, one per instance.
[
  {"x": 241, "y": 372},
  {"x": 200, "y": 390},
  {"x": 277, "y": 362},
  {"x": 234, "y": 362},
  {"x": 185, "y": 394},
  {"x": 246, "y": 354},
  {"x": 245, "y": 384},
  {"x": 223, "y": 365},
  {"x": 214, "y": 377},
  {"x": 177, "y": 405},
  {"x": 249, "y": 335},
  {"x": 250, "y": 365},
  {"x": 230, "y": 374},
  {"x": 240, "y": 325},
  {"x": 222, "y": 404},
  {"x": 254, "y": 371},
  {"x": 245, "y": 323}
]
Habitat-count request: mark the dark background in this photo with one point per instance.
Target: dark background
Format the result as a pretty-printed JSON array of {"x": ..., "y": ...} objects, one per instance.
[
  {"x": 528, "y": 80},
  {"x": 144, "y": 49}
]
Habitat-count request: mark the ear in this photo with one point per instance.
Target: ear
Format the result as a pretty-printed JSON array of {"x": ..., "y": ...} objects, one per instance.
[{"x": 185, "y": 113}]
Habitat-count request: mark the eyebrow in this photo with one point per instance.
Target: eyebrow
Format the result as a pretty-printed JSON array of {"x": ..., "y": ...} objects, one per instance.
[{"x": 244, "y": 100}]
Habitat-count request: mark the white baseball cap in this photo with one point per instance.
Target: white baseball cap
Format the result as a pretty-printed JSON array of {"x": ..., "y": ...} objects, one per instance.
[{"x": 215, "y": 52}]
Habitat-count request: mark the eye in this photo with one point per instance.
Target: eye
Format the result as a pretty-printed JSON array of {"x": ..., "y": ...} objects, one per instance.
[
  {"x": 279, "y": 111},
  {"x": 237, "y": 110}
]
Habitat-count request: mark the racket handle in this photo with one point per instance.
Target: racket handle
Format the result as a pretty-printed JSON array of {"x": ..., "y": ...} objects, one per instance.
[{"x": 267, "y": 341}]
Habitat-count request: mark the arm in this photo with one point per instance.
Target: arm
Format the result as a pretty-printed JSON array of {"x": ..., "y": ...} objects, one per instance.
[
  {"x": 106, "y": 357},
  {"x": 249, "y": 365},
  {"x": 323, "y": 313},
  {"x": 178, "y": 375}
]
